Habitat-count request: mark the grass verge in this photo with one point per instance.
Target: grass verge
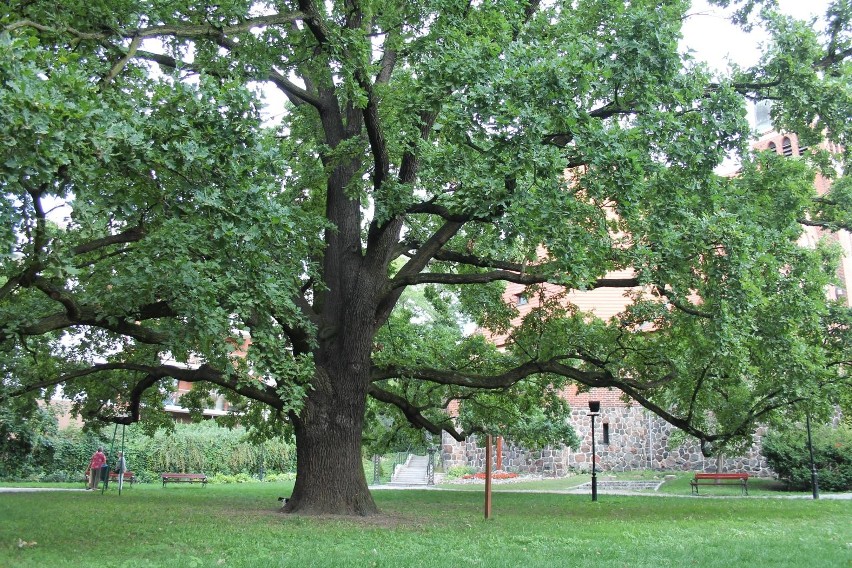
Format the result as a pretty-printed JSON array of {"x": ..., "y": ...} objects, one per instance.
[
  {"x": 239, "y": 526},
  {"x": 676, "y": 483}
]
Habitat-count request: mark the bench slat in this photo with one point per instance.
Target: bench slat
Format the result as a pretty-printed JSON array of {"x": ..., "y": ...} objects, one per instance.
[
  {"x": 183, "y": 477},
  {"x": 721, "y": 476},
  {"x": 129, "y": 476}
]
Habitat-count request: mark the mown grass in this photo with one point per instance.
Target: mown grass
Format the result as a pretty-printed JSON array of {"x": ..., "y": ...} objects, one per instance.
[
  {"x": 239, "y": 526},
  {"x": 671, "y": 484}
]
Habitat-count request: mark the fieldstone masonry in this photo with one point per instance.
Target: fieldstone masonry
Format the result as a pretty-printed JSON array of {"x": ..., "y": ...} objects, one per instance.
[
  {"x": 551, "y": 462},
  {"x": 638, "y": 440}
]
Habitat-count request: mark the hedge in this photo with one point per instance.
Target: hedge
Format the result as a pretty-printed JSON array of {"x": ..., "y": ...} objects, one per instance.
[
  {"x": 787, "y": 453},
  {"x": 205, "y": 447}
]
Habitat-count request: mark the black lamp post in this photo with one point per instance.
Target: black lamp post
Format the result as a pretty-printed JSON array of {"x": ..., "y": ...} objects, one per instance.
[{"x": 594, "y": 410}]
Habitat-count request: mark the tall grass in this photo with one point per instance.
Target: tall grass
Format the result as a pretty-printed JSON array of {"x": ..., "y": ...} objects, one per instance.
[{"x": 239, "y": 526}]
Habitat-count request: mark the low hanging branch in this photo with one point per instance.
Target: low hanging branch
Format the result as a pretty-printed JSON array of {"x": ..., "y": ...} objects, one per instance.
[
  {"x": 187, "y": 31},
  {"x": 155, "y": 373}
]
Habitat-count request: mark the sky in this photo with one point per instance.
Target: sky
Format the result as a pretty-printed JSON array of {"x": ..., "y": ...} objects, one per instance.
[{"x": 715, "y": 40}]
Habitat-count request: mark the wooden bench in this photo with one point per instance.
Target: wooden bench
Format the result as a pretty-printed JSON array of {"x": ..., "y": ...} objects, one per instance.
[
  {"x": 129, "y": 477},
  {"x": 184, "y": 478},
  {"x": 740, "y": 479}
]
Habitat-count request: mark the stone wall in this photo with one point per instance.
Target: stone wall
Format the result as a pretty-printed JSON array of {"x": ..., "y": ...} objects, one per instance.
[
  {"x": 551, "y": 462},
  {"x": 638, "y": 440}
]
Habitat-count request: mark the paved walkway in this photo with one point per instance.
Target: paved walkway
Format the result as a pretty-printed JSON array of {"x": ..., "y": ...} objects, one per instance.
[
  {"x": 574, "y": 491},
  {"x": 36, "y": 489}
]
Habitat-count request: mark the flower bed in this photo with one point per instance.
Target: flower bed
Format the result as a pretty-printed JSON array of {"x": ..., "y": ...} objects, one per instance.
[{"x": 494, "y": 475}]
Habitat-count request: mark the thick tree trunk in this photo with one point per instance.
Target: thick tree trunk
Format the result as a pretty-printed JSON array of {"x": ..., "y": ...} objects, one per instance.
[{"x": 330, "y": 477}]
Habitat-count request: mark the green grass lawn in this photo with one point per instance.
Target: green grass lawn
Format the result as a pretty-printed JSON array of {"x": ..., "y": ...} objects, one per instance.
[
  {"x": 672, "y": 484},
  {"x": 239, "y": 526}
]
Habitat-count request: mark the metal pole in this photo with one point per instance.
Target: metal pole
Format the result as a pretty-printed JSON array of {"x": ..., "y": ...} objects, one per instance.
[
  {"x": 377, "y": 461},
  {"x": 594, "y": 473},
  {"x": 814, "y": 482},
  {"x": 488, "y": 476},
  {"x": 430, "y": 466},
  {"x": 111, "y": 455},
  {"x": 122, "y": 463}
]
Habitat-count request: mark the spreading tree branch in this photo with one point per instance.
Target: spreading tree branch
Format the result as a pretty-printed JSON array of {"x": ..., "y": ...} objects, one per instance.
[{"x": 155, "y": 373}]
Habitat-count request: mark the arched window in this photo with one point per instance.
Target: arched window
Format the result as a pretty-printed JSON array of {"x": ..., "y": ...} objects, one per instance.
[
  {"x": 772, "y": 146},
  {"x": 786, "y": 147}
]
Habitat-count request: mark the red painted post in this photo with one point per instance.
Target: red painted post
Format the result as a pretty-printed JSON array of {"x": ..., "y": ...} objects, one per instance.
[{"x": 488, "y": 476}]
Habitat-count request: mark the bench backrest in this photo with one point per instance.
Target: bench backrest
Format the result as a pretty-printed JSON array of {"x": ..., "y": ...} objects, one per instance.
[
  {"x": 184, "y": 475},
  {"x": 721, "y": 476}
]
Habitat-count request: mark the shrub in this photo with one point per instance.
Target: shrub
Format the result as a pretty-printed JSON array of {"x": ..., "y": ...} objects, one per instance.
[
  {"x": 63, "y": 455},
  {"x": 211, "y": 449},
  {"x": 458, "y": 471},
  {"x": 787, "y": 453},
  {"x": 238, "y": 478},
  {"x": 279, "y": 477},
  {"x": 25, "y": 440},
  {"x": 61, "y": 476}
]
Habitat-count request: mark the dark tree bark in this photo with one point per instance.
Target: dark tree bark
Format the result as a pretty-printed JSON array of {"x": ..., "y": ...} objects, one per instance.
[{"x": 330, "y": 476}]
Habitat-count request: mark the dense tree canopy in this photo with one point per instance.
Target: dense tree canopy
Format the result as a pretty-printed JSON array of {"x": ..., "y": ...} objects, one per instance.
[{"x": 348, "y": 182}]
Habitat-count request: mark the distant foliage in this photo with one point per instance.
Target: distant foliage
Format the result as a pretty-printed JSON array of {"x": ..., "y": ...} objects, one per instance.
[
  {"x": 25, "y": 440},
  {"x": 213, "y": 450},
  {"x": 787, "y": 454},
  {"x": 63, "y": 455}
]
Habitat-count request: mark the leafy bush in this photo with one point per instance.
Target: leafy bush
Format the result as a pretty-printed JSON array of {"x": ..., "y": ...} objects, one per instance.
[
  {"x": 279, "y": 477},
  {"x": 246, "y": 478},
  {"x": 787, "y": 454},
  {"x": 63, "y": 455},
  {"x": 25, "y": 440},
  {"x": 72, "y": 449},
  {"x": 238, "y": 478},
  {"x": 459, "y": 471},
  {"x": 61, "y": 476}
]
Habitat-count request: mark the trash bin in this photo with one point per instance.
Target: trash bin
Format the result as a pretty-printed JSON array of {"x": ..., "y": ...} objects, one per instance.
[{"x": 105, "y": 475}]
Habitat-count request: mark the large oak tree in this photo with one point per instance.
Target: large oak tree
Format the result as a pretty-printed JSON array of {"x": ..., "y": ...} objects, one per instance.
[{"x": 180, "y": 175}]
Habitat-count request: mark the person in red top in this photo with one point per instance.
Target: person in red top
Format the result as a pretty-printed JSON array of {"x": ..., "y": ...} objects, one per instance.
[{"x": 95, "y": 464}]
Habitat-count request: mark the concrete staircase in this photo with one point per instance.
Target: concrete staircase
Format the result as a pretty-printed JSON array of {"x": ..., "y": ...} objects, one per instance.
[{"x": 412, "y": 472}]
